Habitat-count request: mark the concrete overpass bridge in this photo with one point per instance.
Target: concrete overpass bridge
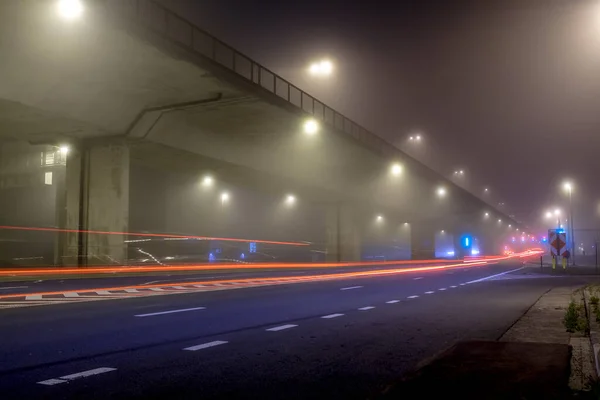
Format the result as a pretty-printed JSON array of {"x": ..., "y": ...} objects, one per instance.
[{"x": 140, "y": 95}]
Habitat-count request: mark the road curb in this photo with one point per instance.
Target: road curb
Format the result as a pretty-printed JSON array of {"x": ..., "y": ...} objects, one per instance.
[{"x": 594, "y": 331}]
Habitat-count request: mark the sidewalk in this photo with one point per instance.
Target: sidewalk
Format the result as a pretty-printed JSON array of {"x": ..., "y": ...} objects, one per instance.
[{"x": 535, "y": 359}]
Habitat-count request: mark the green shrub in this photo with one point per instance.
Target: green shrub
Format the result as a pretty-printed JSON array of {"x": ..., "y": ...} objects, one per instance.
[
  {"x": 571, "y": 317},
  {"x": 594, "y": 300}
]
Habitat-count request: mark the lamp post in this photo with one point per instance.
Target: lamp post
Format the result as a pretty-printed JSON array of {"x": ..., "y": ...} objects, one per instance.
[{"x": 568, "y": 187}]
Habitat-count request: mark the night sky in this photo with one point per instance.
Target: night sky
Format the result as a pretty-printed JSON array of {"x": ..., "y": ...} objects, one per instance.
[{"x": 508, "y": 90}]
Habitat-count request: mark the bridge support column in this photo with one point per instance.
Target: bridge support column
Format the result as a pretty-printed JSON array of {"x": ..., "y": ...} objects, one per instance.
[
  {"x": 422, "y": 241},
  {"x": 343, "y": 234},
  {"x": 96, "y": 198}
]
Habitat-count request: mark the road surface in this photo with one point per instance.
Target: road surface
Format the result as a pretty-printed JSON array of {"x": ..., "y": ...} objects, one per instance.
[{"x": 344, "y": 338}]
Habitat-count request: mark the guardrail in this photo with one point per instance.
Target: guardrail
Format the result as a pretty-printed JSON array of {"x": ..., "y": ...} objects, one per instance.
[{"x": 160, "y": 19}]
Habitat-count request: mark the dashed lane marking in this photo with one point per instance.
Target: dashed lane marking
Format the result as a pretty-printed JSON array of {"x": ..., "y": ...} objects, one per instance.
[
  {"x": 351, "y": 288},
  {"x": 392, "y": 301},
  {"x": 281, "y": 327},
  {"x": 416, "y": 279},
  {"x": 78, "y": 375},
  {"x": 453, "y": 287},
  {"x": 430, "y": 292},
  {"x": 494, "y": 276},
  {"x": 412, "y": 297},
  {"x": 332, "y": 316},
  {"x": 170, "y": 312},
  {"x": 442, "y": 289},
  {"x": 206, "y": 345},
  {"x": 366, "y": 308}
]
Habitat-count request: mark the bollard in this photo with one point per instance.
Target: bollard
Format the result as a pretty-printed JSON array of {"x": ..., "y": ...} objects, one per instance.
[
  {"x": 553, "y": 264},
  {"x": 564, "y": 263}
]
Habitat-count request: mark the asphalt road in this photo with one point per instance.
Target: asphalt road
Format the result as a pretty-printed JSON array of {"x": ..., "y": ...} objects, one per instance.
[{"x": 331, "y": 339}]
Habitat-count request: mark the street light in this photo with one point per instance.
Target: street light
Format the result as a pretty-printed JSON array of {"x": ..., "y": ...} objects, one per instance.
[
  {"x": 311, "y": 126},
  {"x": 224, "y": 197},
  {"x": 441, "y": 191},
  {"x": 207, "y": 181},
  {"x": 290, "y": 199},
  {"x": 396, "y": 169},
  {"x": 64, "y": 150},
  {"x": 487, "y": 214},
  {"x": 321, "y": 68},
  {"x": 70, "y": 9},
  {"x": 379, "y": 218},
  {"x": 568, "y": 187}
]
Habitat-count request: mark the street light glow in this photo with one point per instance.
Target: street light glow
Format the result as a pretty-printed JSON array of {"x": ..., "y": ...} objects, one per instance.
[
  {"x": 224, "y": 197},
  {"x": 380, "y": 218},
  {"x": 557, "y": 212},
  {"x": 290, "y": 199},
  {"x": 486, "y": 214},
  {"x": 70, "y": 9},
  {"x": 321, "y": 68},
  {"x": 207, "y": 181},
  {"x": 64, "y": 150},
  {"x": 396, "y": 169},
  {"x": 441, "y": 191},
  {"x": 568, "y": 187},
  {"x": 311, "y": 127}
]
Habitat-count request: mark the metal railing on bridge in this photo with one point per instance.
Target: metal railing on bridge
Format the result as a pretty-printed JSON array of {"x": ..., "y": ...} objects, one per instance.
[{"x": 182, "y": 32}]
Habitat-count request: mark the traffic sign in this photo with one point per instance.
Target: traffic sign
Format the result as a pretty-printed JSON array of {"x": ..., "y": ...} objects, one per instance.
[{"x": 558, "y": 242}]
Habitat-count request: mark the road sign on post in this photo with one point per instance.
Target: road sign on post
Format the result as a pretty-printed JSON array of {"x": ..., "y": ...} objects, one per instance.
[{"x": 558, "y": 242}]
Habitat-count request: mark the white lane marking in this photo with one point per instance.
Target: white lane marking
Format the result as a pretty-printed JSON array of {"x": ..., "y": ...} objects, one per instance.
[
  {"x": 150, "y": 283},
  {"x": 281, "y": 327},
  {"x": 366, "y": 308},
  {"x": 206, "y": 345},
  {"x": 103, "y": 292},
  {"x": 180, "y": 287},
  {"x": 442, "y": 289},
  {"x": 170, "y": 312},
  {"x": 392, "y": 301},
  {"x": 493, "y": 276},
  {"x": 416, "y": 279},
  {"x": 51, "y": 382},
  {"x": 157, "y": 289},
  {"x": 351, "y": 287},
  {"x": 199, "y": 285},
  {"x": 462, "y": 284},
  {"x": 331, "y": 316},
  {"x": 87, "y": 373},
  {"x": 132, "y": 290},
  {"x": 430, "y": 292},
  {"x": 13, "y": 287},
  {"x": 71, "y": 294},
  {"x": 453, "y": 287},
  {"x": 83, "y": 374},
  {"x": 412, "y": 297},
  {"x": 34, "y": 297}
]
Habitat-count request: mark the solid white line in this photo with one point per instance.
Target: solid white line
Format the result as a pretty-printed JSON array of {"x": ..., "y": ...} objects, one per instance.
[
  {"x": 206, "y": 345},
  {"x": 416, "y": 279},
  {"x": 51, "y": 382},
  {"x": 34, "y": 297},
  {"x": 331, "y": 316},
  {"x": 412, "y": 297},
  {"x": 71, "y": 294},
  {"x": 430, "y": 292},
  {"x": 493, "y": 276},
  {"x": 351, "y": 287},
  {"x": 14, "y": 287},
  {"x": 442, "y": 289},
  {"x": 366, "y": 308},
  {"x": 392, "y": 301},
  {"x": 87, "y": 373},
  {"x": 280, "y": 328},
  {"x": 170, "y": 312},
  {"x": 453, "y": 287}
]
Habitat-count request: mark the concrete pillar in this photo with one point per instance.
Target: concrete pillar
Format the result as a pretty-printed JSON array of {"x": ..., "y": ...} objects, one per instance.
[
  {"x": 422, "y": 241},
  {"x": 343, "y": 234},
  {"x": 96, "y": 198}
]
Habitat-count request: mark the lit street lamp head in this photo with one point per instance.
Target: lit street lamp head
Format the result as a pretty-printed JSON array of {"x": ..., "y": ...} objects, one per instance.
[
  {"x": 441, "y": 191},
  {"x": 290, "y": 199},
  {"x": 207, "y": 181},
  {"x": 396, "y": 169},
  {"x": 64, "y": 150},
  {"x": 568, "y": 187},
  {"x": 311, "y": 127},
  {"x": 321, "y": 68},
  {"x": 70, "y": 9}
]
